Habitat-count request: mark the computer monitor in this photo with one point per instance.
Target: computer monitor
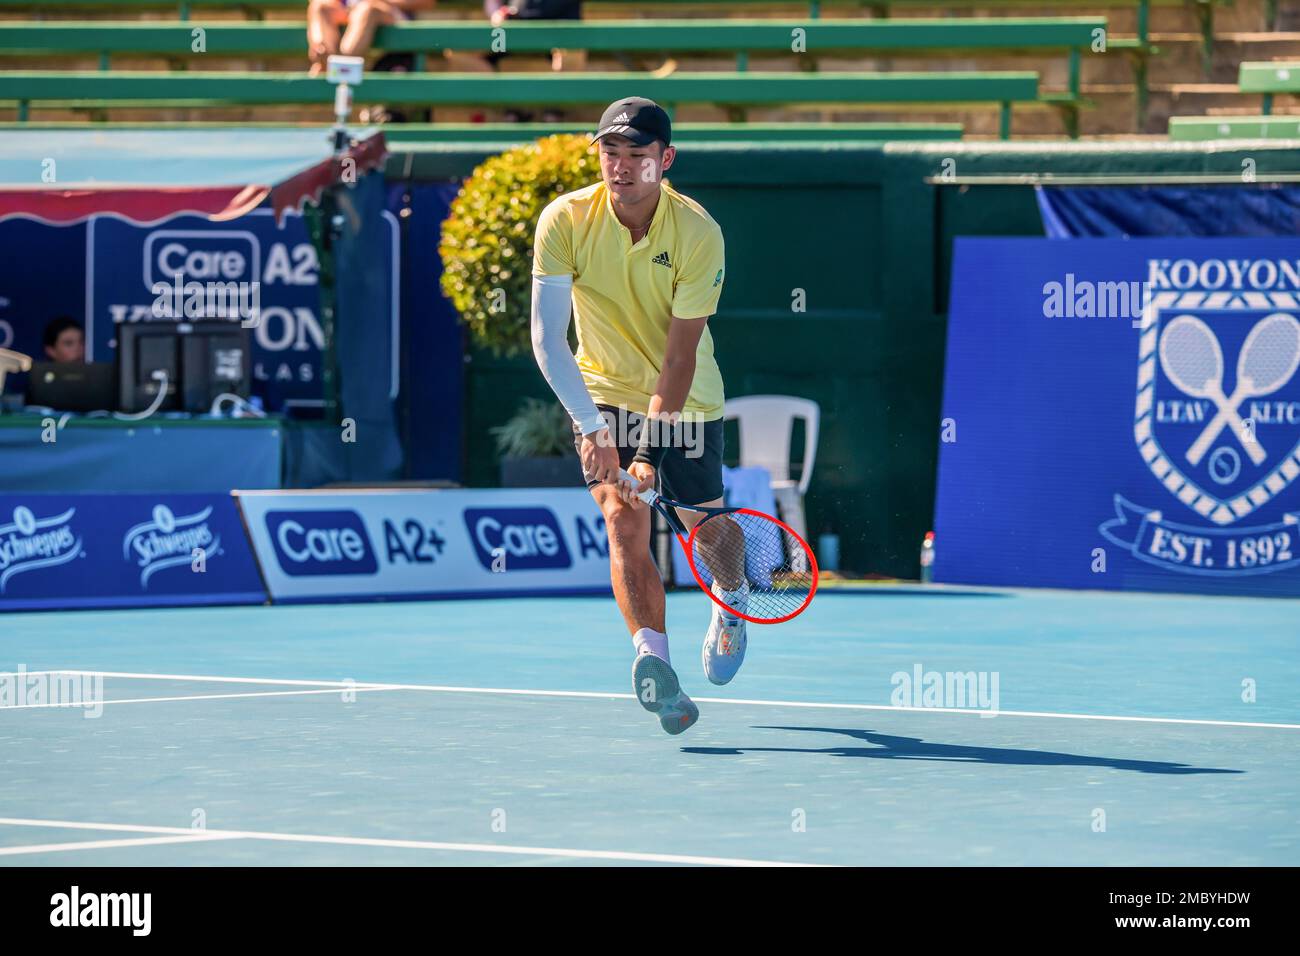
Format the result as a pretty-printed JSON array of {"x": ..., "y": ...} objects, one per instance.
[
  {"x": 200, "y": 360},
  {"x": 72, "y": 386}
]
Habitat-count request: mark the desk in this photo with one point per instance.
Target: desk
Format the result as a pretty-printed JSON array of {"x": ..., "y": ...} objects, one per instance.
[{"x": 172, "y": 455}]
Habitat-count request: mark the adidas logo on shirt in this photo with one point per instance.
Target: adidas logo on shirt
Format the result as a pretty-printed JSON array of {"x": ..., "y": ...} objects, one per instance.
[{"x": 662, "y": 259}]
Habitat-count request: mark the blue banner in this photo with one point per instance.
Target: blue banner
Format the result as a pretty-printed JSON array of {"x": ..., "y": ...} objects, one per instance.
[
  {"x": 81, "y": 551},
  {"x": 97, "y": 273},
  {"x": 108, "y": 271},
  {"x": 1080, "y": 212},
  {"x": 1122, "y": 414},
  {"x": 179, "y": 457},
  {"x": 432, "y": 356},
  {"x": 41, "y": 277},
  {"x": 133, "y": 270}
]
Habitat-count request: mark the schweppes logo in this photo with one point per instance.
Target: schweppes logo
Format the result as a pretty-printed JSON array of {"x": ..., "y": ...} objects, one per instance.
[
  {"x": 29, "y": 543},
  {"x": 168, "y": 541}
]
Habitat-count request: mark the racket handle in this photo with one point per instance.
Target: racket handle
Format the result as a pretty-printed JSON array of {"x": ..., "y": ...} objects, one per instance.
[{"x": 648, "y": 496}]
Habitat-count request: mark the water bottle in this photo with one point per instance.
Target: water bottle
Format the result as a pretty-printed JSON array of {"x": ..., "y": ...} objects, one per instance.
[
  {"x": 927, "y": 558},
  {"x": 828, "y": 552}
]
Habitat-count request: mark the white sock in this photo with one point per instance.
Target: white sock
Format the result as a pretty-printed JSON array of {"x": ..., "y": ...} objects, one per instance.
[
  {"x": 649, "y": 641},
  {"x": 737, "y": 600}
]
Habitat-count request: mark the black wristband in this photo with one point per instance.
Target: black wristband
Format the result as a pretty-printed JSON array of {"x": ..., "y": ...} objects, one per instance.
[{"x": 656, "y": 439}]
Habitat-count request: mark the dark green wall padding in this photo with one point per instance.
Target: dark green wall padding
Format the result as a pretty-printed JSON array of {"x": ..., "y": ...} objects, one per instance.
[{"x": 869, "y": 240}]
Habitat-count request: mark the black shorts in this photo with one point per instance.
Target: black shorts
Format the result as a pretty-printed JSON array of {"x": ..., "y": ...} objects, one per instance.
[{"x": 691, "y": 470}]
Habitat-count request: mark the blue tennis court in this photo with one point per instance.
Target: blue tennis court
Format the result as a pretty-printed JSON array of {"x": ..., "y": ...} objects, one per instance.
[{"x": 505, "y": 733}]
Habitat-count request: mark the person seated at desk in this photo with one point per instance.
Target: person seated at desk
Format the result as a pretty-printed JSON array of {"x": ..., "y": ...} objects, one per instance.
[
  {"x": 63, "y": 379},
  {"x": 65, "y": 340}
]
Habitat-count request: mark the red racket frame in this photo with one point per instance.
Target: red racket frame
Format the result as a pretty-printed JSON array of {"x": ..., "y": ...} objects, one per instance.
[{"x": 688, "y": 547}]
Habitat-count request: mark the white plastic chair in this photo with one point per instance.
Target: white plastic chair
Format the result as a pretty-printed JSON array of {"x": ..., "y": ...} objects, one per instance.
[{"x": 766, "y": 423}]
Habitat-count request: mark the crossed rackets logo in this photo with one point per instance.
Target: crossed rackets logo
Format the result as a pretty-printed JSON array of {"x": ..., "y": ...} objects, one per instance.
[{"x": 1192, "y": 359}]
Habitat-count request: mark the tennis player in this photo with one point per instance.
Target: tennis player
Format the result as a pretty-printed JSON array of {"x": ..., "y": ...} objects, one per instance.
[{"x": 642, "y": 267}]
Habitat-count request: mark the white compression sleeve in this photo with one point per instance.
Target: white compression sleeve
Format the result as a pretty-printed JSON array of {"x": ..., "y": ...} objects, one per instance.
[{"x": 550, "y": 327}]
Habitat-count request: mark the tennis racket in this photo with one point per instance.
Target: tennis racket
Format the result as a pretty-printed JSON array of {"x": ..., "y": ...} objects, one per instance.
[{"x": 735, "y": 547}]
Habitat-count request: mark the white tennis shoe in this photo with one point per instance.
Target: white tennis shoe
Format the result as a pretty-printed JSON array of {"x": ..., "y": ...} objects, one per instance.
[
  {"x": 724, "y": 644},
  {"x": 659, "y": 691}
]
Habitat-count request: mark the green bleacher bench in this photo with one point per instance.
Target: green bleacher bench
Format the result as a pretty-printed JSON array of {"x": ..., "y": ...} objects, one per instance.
[
  {"x": 875, "y": 5},
  {"x": 254, "y": 8},
  {"x": 1269, "y": 78},
  {"x": 1204, "y": 9},
  {"x": 726, "y": 35},
  {"x": 182, "y": 8},
  {"x": 738, "y": 37},
  {"x": 733, "y": 91},
  {"x": 682, "y": 132},
  {"x": 1200, "y": 128},
  {"x": 509, "y": 133},
  {"x": 1139, "y": 48}
]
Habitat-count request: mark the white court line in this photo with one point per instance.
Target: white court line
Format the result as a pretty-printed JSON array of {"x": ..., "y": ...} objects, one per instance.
[
  {"x": 154, "y": 700},
  {"x": 109, "y": 844},
  {"x": 408, "y": 844},
  {"x": 193, "y": 677},
  {"x": 705, "y": 700}
]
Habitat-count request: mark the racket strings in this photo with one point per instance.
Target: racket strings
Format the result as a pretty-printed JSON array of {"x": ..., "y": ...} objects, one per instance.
[
  {"x": 750, "y": 548},
  {"x": 1191, "y": 356},
  {"x": 1268, "y": 357}
]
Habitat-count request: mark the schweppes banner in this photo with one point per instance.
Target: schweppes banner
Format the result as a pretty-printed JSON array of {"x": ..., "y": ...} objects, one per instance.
[
  {"x": 84, "y": 551},
  {"x": 1122, "y": 414}
]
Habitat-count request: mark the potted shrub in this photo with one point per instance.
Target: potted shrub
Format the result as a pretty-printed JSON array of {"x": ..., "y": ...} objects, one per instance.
[
  {"x": 536, "y": 447},
  {"x": 487, "y": 237}
]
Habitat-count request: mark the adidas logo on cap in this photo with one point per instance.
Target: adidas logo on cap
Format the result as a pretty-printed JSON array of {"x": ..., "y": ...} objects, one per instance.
[{"x": 621, "y": 118}]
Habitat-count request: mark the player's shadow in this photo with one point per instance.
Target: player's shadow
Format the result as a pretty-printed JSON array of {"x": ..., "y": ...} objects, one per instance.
[{"x": 889, "y": 747}]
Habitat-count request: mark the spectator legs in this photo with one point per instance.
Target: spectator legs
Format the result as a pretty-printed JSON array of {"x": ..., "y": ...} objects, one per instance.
[{"x": 323, "y": 20}]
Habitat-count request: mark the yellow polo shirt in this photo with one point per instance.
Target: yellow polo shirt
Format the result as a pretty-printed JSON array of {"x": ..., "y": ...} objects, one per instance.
[{"x": 625, "y": 296}]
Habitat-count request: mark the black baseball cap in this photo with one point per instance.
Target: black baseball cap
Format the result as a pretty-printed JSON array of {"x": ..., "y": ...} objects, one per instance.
[{"x": 641, "y": 120}]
